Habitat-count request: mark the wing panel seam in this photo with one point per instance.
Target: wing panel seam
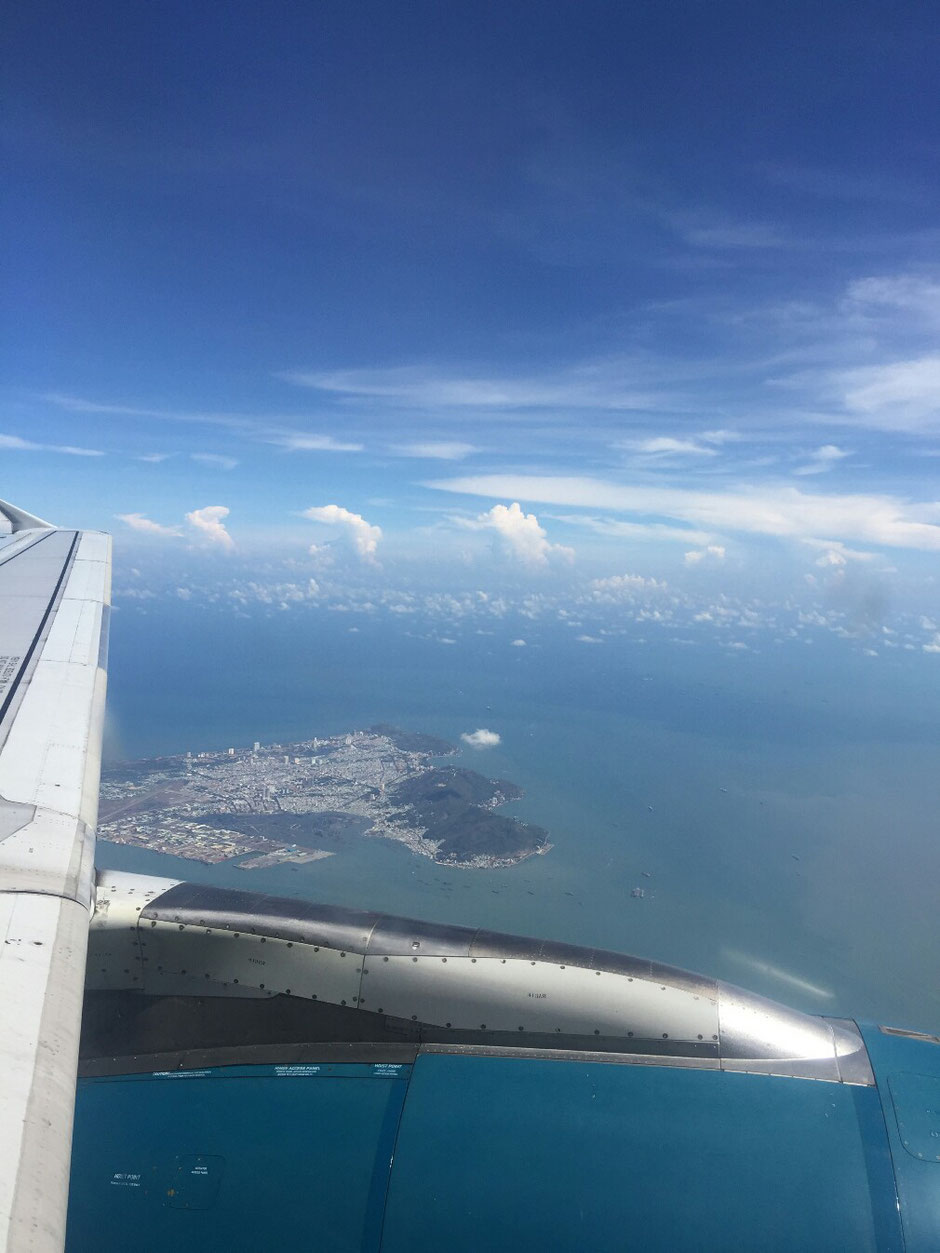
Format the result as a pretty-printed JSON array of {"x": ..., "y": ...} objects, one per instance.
[{"x": 15, "y": 687}]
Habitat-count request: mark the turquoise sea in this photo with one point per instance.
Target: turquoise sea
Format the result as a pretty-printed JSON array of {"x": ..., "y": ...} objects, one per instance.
[{"x": 783, "y": 802}]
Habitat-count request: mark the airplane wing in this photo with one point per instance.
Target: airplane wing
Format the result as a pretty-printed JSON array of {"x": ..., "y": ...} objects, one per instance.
[{"x": 54, "y": 606}]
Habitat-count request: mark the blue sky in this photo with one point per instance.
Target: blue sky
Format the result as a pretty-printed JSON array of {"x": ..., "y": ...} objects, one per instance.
[{"x": 364, "y": 277}]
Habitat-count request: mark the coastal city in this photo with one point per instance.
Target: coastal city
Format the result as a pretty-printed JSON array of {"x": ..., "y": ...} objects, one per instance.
[{"x": 298, "y": 802}]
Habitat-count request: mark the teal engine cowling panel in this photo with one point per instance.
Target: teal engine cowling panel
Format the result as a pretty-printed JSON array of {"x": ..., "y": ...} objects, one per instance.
[
  {"x": 234, "y": 1158},
  {"x": 907, "y": 1070},
  {"x": 466, "y": 1150},
  {"x": 509, "y": 1154}
]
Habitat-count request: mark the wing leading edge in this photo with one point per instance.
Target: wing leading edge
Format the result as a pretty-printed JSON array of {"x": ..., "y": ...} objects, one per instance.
[{"x": 54, "y": 605}]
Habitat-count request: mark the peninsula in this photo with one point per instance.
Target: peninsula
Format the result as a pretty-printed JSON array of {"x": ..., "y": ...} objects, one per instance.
[{"x": 298, "y": 802}]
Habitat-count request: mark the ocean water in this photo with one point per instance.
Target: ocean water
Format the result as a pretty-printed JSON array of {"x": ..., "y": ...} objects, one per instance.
[{"x": 783, "y": 803}]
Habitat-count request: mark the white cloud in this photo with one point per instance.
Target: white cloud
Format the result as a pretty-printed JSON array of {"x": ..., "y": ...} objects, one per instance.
[
  {"x": 832, "y": 557},
  {"x": 137, "y": 522},
  {"x": 15, "y": 443},
  {"x": 907, "y": 293},
  {"x": 823, "y": 459},
  {"x": 763, "y": 510},
  {"x": 589, "y": 639},
  {"x": 78, "y": 404},
  {"x": 154, "y": 457},
  {"x": 218, "y": 460},
  {"x": 438, "y": 450},
  {"x": 834, "y": 553},
  {"x": 633, "y": 530},
  {"x": 519, "y": 534},
  {"x": 233, "y": 421},
  {"x": 714, "y": 552},
  {"x": 209, "y": 522},
  {"x": 720, "y": 436},
  {"x": 313, "y": 443},
  {"x": 899, "y": 396},
  {"x": 593, "y": 385},
  {"x": 625, "y": 586},
  {"x": 518, "y": 643},
  {"x": 270, "y": 429},
  {"x": 707, "y": 231},
  {"x": 277, "y": 594},
  {"x": 481, "y": 738},
  {"x": 363, "y": 536},
  {"x": 665, "y": 444}
]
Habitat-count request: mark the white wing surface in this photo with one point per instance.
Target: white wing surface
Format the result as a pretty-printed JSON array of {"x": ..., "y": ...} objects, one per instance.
[{"x": 54, "y": 605}]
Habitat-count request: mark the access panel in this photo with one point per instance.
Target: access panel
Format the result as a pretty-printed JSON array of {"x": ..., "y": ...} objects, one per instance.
[{"x": 292, "y": 1157}]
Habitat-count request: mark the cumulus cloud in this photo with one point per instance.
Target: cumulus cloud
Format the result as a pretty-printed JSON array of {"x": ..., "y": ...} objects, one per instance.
[
  {"x": 214, "y": 459},
  {"x": 15, "y": 444},
  {"x": 138, "y": 522},
  {"x": 481, "y": 738},
  {"x": 714, "y": 552},
  {"x": 518, "y": 643},
  {"x": 209, "y": 522},
  {"x": 436, "y": 450},
  {"x": 763, "y": 510},
  {"x": 363, "y": 537},
  {"x": 519, "y": 535},
  {"x": 277, "y": 594}
]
